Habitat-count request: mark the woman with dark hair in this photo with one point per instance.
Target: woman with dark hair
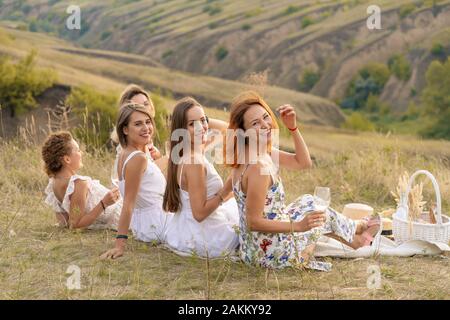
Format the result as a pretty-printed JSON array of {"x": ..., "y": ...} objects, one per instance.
[
  {"x": 204, "y": 221},
  {"x": 272, "y": 234}
]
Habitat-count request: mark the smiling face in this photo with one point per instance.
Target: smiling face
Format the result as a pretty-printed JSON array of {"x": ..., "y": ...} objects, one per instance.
[
  {"x": 139, "y": 130},
  {"x": 197, "y": 124},
  {"x": 257, "y": 118}
]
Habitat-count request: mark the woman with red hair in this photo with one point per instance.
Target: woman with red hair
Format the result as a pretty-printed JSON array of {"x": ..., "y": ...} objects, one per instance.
[{"x": 272, "y": 234}]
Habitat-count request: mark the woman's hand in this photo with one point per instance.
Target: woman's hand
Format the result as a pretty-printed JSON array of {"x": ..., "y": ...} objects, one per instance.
[
  {"x": 117, "y": 252},
  {"x": 154, "y": 152},
  {"x": 111, "y": 197},
  {"x": 288, "y": 116},
  {"x": 312, "y": 220}
]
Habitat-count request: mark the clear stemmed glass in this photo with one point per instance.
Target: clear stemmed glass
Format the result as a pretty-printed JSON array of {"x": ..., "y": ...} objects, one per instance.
[
  {"x": 115, "y": 175},
  {"x": 322, "y": 198}
]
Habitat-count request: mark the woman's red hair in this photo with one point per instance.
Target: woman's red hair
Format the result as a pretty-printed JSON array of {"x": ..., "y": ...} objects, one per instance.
[{"x": 239, "y": 106}]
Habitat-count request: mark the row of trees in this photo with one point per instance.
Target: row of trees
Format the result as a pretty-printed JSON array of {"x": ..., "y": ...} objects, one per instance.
[
  {"x": 362, "y": 96},
  {"x": 436, "y": 100}
]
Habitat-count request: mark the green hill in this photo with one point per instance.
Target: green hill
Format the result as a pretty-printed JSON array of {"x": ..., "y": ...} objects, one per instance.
[
  {"x": 107, "y": 70},
  {"x": 229, "y": 39}
]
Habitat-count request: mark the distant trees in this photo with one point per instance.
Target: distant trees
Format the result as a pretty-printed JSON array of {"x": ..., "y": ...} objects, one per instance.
[
  {"x": 436, "y": 100},
  {"x": 406, "y": 10},
  {"x": 221, "y": 53},
  {"x": 291, "y": 9},
  {"x": 22, "y": 82},
  {"x": 357, "y": 121},
  {"x": 212, "y": 9},
  {"x": 400, "y": 67},
  {"x": 308, "y": 80},
  {"x": 370, "y": 80},
  {"x": 438, "y": 49}
]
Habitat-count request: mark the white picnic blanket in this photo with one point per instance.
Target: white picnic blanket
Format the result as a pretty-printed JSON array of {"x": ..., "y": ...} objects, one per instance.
[{"x": 328, "y": 247}]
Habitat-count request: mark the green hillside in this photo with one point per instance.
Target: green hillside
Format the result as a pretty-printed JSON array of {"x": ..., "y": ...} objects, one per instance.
[
  {"x": 107, "y": 70},
  {"x": 229, "y": 39}
]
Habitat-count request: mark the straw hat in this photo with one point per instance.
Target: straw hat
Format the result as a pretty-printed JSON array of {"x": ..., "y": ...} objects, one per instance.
[
  {"x": 357, "y": 211},
  {"x": 387, "y": 227}
]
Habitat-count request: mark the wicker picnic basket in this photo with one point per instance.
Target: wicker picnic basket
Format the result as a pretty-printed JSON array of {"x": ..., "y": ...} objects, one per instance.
[{"x": 404, "y": 230}]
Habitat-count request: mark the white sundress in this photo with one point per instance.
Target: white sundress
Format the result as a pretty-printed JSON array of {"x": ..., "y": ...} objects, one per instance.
[
  {"x": 149, "y": 221},
  {"x": 96, "y": 191},
  {"x": 213, "y": 237}
]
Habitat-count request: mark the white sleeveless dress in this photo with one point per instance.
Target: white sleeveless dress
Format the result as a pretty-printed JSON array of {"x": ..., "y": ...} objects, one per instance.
[
  {"x": 96, "y": 191},
  {"x": 149, "y": 221},
  {"x": 213, "y": 237}
]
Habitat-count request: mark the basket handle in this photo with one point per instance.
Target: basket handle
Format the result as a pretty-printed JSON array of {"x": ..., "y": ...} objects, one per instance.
[{"x": 436, "y": 190}]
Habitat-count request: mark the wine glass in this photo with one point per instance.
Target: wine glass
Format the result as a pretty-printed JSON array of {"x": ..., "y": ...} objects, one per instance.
[
  {"x": 322, "y": 198},
  {"x": 115, "y": 175}
]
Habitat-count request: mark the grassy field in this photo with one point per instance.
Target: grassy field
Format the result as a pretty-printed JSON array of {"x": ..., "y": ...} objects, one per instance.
[{"x": 35, "y": 254}]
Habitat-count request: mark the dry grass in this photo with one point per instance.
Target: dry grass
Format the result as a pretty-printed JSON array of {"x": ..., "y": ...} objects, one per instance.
[{"x": 35, "y": 254}]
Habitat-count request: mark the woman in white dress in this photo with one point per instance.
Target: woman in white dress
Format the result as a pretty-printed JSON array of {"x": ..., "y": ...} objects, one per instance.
[
  {"x": 141, "y": 182},
  {"x": 204, "y": 222},
  {"x": 136, "y": 94},
  {"x": 78, "y": 201}
]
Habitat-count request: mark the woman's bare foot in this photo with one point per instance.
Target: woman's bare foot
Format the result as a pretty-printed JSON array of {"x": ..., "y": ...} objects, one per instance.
[
  {"x": 365, "y": 234},
  {"x": 361, "y": 226},
  {"x": 308, "y": 252}
]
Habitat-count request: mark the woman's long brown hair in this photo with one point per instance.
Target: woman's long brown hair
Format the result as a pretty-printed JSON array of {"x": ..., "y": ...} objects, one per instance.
[{"x": 172, "y": 200}]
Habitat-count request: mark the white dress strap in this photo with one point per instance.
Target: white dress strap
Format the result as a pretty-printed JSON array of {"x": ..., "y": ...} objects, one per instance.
[
  {"x": 240, "y": 177},
  {"x": 131, "y": 155},
  {"x": 181, "y": 174}
]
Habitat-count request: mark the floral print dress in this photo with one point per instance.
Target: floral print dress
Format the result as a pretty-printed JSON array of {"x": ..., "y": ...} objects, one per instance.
[{"x": 280, "y": 250}]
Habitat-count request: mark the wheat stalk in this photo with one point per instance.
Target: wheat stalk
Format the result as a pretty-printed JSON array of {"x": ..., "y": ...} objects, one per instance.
[{"x": 415, "y": 197}]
